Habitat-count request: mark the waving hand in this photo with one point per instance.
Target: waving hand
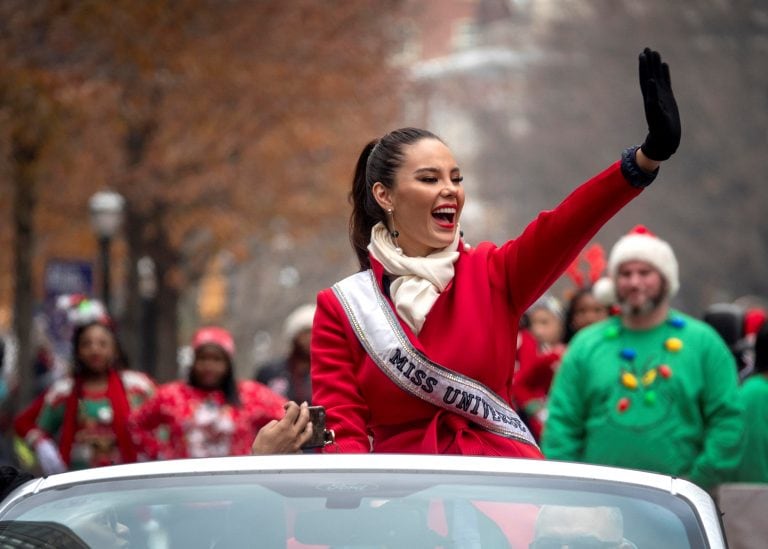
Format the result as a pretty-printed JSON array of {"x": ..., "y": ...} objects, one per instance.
[{"x": 660, "y": 107}]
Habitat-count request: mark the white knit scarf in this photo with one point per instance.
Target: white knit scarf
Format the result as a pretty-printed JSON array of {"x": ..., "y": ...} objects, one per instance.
[{"x": 419, "y": 279}]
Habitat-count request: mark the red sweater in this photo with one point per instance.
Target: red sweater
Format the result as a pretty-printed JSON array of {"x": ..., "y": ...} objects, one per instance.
[
  {"x": 200, "y": 423},
  {"x": 471, "y": 329}
]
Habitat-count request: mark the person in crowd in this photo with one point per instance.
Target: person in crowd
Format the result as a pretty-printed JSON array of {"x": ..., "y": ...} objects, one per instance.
[
  {"x": 532, "y": 382},
  {"x": 553, "y": 330},
  {"x": 72, "y": 310},
  {"x": 754, "y": 395},
  {"x": 583, "y": 306},
  {"x": 289, "y": 376},
  {"x": 210, "y": 413},
  {"x": 83, "y": 419},
  {"x": 651, "y": 388},
  {"x": 754, "y": 319},
  {"x": 546, "y": 322},
  {"x": 416, "y": 352},
  {"x": 737, "y": 324},
  {"x": 583, "y": 309},
  {"x": 564, "y": 526},
  {"x": 728, "y": 321},
  {"x": 534, "y": 377}
]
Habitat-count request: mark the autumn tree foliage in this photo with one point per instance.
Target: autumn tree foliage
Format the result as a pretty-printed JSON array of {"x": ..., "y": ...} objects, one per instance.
[{"x": 212, "y": 118}]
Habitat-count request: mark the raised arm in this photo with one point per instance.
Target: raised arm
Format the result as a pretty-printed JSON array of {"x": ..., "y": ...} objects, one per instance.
[
  {"x": 548, "y": 245},
  {"x": 661, "y": 113}
]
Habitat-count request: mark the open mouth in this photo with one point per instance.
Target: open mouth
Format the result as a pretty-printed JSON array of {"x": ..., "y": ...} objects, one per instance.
[{"x": 445, "y": 217}]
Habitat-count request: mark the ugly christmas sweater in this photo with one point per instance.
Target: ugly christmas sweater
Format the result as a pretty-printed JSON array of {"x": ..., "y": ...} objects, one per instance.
[
  {"x": 95, "y": 440},
  {"x": 182, "y": 421},
  {"x": 664, "y": 400}
]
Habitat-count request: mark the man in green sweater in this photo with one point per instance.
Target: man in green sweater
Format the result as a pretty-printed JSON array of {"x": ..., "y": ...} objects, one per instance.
[
  {"x": 754, "y": 395},
  {"x": 650, "y": 388}
]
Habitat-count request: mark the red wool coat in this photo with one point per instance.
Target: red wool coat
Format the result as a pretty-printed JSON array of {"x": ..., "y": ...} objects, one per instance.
[{"x": 471, "y": 329}]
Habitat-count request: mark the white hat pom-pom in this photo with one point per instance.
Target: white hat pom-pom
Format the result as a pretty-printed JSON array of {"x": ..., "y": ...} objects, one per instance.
[{"x": 604, "y": 291}]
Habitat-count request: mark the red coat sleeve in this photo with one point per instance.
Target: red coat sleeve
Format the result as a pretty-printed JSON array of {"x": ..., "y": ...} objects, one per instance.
[
  {"x": 537, "y": 258},
  {"x": 334, "y": 385}
]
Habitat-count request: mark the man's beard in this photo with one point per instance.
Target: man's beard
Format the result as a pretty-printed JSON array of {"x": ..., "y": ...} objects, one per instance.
[{"x": 648, "y": 307}]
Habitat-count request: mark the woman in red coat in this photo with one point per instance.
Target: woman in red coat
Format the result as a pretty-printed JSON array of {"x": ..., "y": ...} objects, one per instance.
[{"x": 415, "y": 353}]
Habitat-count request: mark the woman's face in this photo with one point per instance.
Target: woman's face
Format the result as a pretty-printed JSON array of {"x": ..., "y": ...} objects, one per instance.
[
  {"x": 587, "y": 310},
  {"x": 96, "y": 349},
  {"x": 210, "y": 367},
  {"x": 426, "y": 199}
]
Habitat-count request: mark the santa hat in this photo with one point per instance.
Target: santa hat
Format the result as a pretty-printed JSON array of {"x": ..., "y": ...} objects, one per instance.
[
  {"x": 81, "y": 310},
  {"x": 754, "y": 319},
  {"x": 298, "y": 321},
  {"x": 639, "y": 244},
  {"x": 212, "y": 335}
]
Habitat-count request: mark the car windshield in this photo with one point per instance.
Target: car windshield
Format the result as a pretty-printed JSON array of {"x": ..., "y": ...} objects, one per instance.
[{"x": 352, "y": 510}]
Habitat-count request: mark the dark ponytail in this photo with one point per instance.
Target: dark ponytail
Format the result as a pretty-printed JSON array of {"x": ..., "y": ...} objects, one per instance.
[{"x": 379, "y": 161}]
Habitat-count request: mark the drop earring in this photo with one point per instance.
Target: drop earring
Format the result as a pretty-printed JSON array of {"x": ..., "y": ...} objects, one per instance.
[
  {"x": 393, "y": 233},
  {"x": 461, "y": 235}
]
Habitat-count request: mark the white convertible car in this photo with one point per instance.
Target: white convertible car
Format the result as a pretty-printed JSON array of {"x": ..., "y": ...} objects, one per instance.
[{"x": 360, "y": 501}]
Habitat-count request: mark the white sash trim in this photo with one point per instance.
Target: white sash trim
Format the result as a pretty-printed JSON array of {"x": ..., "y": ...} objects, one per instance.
[{"x": 382, "y": 337}]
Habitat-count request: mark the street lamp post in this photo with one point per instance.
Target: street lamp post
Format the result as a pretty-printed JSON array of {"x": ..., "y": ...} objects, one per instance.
[
  {"x": 106, "y": 209},
  {"x": 147, "y": 292}
]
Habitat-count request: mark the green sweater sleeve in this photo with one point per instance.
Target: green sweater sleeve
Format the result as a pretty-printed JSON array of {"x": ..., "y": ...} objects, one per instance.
[
  {"x": 563, "y": 436},
  {"x": 722, "y": 413}
]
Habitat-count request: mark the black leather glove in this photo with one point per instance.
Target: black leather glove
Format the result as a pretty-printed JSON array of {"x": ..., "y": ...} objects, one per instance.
[{"x": 660, "y": 107}]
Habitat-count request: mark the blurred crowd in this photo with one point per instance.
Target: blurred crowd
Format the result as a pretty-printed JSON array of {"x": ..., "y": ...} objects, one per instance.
[{"x": 96, "y": 410}]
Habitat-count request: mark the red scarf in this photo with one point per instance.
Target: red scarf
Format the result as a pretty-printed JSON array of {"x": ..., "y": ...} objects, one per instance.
[{"x": 120, "y": 412}]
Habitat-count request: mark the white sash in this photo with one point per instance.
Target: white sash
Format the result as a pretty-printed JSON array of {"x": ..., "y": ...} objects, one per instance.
[{"x": 382, "y": 337}]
